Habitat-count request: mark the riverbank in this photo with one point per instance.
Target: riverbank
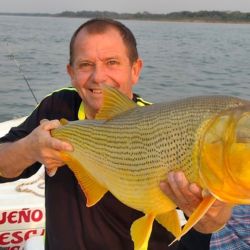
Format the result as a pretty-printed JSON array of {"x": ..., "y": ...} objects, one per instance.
[{"x": 183, "y": 16}]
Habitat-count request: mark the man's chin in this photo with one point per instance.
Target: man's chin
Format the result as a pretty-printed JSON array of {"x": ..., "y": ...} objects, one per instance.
[{"x": 96, "y": 108}]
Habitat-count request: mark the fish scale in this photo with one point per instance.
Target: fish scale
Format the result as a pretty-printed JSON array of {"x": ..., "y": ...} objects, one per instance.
[{"x": 132, "y": 151}]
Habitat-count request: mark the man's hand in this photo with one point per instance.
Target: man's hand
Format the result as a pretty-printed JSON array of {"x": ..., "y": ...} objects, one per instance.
[
  {"x": 188, "y": 196},
  {"x": 45, "y": 148}
]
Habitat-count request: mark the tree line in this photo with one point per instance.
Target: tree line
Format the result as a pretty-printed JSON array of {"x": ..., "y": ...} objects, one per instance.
[{"x": 205, "y": 16}]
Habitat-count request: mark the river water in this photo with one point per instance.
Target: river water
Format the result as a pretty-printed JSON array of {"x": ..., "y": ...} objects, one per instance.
[{"x": 180, "y": 59}]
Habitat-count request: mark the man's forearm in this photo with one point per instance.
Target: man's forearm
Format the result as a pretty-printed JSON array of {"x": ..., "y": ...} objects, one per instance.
[
  {"x": 214, "y": 221},
  {"x": 14, "y": 158}
]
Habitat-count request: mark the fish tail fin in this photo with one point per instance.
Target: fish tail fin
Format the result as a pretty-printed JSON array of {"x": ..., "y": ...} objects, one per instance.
[
  {"x": 141, "y": 230},
  {"x": 199, "y": 212}
]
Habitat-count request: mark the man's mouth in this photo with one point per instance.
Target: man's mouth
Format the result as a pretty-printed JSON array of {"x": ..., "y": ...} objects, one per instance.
[{"x": 96, "y": 91}]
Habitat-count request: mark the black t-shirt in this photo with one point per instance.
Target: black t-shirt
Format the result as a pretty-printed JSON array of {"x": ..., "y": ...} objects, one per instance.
[{"x": 70, "y": 225}]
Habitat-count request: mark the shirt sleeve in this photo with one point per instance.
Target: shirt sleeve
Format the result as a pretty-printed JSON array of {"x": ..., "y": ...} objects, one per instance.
[
  {"x": 42, "y": 111},
  {"x": 236, "y": 234},
  {"x": 23, "y": 130}
]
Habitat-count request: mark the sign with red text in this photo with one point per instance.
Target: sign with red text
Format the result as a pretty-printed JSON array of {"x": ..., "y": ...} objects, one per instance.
[
  {"x": 22, "y": 211},
  {"x": 17, "y": 226}
]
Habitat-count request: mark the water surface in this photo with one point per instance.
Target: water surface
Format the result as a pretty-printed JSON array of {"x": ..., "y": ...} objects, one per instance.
[{"x": 180, "y": 59}]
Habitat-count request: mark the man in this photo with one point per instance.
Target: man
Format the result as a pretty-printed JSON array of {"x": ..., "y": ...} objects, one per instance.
[{"x": 101, "y": 51}]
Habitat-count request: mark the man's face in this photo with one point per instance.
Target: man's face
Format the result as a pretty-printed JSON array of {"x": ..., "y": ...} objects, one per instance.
[{"x": 101, "y": 59}]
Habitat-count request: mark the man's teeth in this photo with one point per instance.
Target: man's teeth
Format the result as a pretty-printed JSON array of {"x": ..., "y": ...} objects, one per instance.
[{"x": 96, "y": 91}]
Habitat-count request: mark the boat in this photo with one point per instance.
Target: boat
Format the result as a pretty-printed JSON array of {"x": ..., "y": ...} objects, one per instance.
[{"x": 22, "y": 207}]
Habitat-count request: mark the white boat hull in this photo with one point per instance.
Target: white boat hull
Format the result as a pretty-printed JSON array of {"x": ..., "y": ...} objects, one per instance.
[{"x": 22, "y": 208}]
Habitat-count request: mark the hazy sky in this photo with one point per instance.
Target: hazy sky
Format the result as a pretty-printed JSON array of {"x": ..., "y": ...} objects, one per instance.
[{"x": 130, "y": 6}]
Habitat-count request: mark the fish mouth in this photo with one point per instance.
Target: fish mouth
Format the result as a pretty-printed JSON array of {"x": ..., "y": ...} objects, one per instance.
[
  {"x": 225, "y": 157},
  {"x": 226, "y": 191}
]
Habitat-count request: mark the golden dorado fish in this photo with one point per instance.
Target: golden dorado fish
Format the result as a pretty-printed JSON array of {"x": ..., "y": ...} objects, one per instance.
[{"x": 128, "y": 150}]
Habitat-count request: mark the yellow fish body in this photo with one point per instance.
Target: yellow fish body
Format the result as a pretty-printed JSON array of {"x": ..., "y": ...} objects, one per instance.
[{"x": 129, "y": 149}]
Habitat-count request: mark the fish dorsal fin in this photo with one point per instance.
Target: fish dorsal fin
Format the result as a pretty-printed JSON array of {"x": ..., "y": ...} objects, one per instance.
[
  {"x": 170, "y": 221},
  {"x": 199, "y": 212},
  {"x": 114, "y": 103},
  {"x": 64, "y": 121},
  {"x": 141, "y": 230},
  {"x": 91, "y": 188}
]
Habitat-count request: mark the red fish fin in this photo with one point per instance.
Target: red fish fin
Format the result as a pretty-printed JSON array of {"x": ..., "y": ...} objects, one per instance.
[
  {"x": 141, "y": 230},
  {"x": 91, "y": 188},
  {"x": 114, "y": 103},
  {"x": 170, "y": 221},
  {"x": 196, "y": 215}
]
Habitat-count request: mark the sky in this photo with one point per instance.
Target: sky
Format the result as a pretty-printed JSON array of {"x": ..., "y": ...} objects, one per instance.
[{"x": 128, "y": 6}]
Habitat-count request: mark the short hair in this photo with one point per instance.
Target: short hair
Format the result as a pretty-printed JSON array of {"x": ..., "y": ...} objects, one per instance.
[{"x": 99, "y": 26}]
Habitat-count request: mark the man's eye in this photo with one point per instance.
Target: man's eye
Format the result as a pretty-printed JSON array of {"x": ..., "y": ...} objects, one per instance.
[
  {"x": 84, "y": 65},
  {"x": 112, "y": 62}
]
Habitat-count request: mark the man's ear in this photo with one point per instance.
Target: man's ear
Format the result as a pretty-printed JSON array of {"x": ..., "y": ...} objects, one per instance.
[
  {"x": 70, "y": 71},
  {"x": 136, "y": 70}
]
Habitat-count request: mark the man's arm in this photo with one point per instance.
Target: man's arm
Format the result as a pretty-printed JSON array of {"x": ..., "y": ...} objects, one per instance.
[
  {"x": 38, "y": 146},
  {"x": 188, "y": 196}
]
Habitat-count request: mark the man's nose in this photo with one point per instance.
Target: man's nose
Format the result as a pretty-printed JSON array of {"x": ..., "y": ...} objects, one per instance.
[{"x": 99, "y": 74}]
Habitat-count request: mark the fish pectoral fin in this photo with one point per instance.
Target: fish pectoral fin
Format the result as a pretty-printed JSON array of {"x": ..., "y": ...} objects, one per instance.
[
  {"x": 170, "y": 221},
  {"x": 199, "y": 212},
  {"x": 141, "y": 230},
  {"x": 91, "y": 188},
  {"x": 114, "y": 103}
]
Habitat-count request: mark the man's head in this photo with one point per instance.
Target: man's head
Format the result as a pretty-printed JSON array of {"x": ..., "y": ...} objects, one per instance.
[
  {"x": 99, "y": 26},
  {"x": 102, "y": 51}
]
